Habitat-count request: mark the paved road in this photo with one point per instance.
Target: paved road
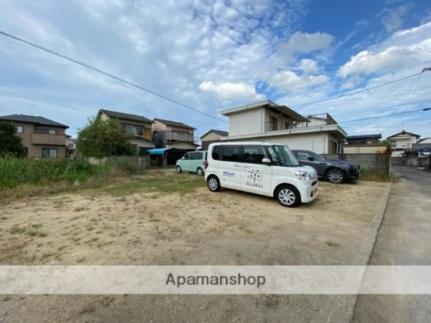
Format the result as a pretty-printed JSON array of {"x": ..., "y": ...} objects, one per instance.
[{"x": 404, "y": 239}]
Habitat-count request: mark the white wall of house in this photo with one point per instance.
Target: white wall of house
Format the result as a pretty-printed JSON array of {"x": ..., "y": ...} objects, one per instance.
[
  {"x": 317, "y": 142},
  {"x": 402, "y": 141},
  {"x": 211, "y": 137},
  {"x": 247, "y": 122}
]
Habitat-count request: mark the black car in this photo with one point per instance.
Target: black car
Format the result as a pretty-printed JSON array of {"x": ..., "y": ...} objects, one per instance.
[{"x": 336, "y": 171}]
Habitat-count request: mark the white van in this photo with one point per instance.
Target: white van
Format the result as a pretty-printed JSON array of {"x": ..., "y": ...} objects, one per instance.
[{"x": 261, "y": 168}]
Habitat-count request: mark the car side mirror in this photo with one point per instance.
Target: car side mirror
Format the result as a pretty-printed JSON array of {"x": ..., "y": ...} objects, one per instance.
[
  {"x": 310, "y": 158},
  {"x": 266, "y": 161}
]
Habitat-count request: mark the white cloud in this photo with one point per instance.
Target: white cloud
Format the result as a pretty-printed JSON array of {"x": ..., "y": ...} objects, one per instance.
[
  {"x": 393, "y": 18},
  {"x": 301, "y": 42},
  {"x": 308, "y": 66},
  {"x": 230, "y": 91},
  {"x": 290, "y": 81},
  {"x": 394, "y": 54}
]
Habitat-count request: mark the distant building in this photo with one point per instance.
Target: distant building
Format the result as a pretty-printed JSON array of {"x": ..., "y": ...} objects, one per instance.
[
  {"x": 423, "y": 146},
  {"x": 365, "y": 144},
  {"x": 41, "y": 137},
  {"x": 364, "y": 139},
  {"x": 172, "y": 134},
  {"x": 402, "y": 141},
  {"x": 271, "y": 122},
  {"x": 70, "y": 146},
  {"x": 137, "y": 126},
  {"x": 211, "y": 136}
]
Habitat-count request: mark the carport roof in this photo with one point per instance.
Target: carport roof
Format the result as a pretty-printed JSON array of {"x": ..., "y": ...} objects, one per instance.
[{"x": 157, "y": 151}]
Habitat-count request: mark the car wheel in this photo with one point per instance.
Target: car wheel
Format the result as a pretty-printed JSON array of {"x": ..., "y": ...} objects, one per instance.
[
  {"x": 200, "y": 171},
  {"x": 335, "y": 175},
  {"x": 213, "y": 184},
  {"x": 288, "y": 195},
  {"x": 179, "y": 170}
]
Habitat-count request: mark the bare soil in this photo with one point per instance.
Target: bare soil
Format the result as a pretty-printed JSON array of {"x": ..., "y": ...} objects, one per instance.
[{"x": 194, "y": 228}]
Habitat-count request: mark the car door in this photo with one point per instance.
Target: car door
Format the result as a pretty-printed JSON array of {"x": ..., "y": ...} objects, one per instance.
[
  {"x": 308, "y": 158},
  {"x": 186, "y": 162},
  {"x": 230, "y": 166},
  {"x": 195, "y": 161},
  {"x": 256, "y": 177}
]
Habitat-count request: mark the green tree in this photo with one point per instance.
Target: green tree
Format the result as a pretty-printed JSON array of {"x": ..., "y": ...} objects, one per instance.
[
  {"x": 10, "y": 142},
  {"x": 387, "y": 144},
  {"x": 102, "y": 138}
]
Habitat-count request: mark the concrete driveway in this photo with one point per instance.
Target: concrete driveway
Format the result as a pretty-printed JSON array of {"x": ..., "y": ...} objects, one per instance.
[{"x": 404, "y": 239}]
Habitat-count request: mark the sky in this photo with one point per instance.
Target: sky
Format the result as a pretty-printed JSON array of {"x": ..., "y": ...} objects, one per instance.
[{"x": 214, "y": 55}]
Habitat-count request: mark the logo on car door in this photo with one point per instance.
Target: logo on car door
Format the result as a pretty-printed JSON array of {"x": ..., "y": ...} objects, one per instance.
[{"x": 254, "y": 178}]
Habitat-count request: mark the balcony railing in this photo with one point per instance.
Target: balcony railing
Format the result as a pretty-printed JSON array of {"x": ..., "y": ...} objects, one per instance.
[
  {"x": 178, "y": 136},
  {"x": 46, "y": 139}
]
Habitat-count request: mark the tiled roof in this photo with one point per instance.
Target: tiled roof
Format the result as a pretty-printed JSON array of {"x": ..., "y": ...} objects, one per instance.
[
  {"x": 173, "y": 123},
  {"x": 33, "y": 120},
  {"x": 121, "y": 115}
]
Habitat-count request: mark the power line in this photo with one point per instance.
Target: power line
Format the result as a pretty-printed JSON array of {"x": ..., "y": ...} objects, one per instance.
[
  {"x": 417, "y": 102},
  {"x": 115, "y": 77},
  {"x": 385, "y": 115},
  {"x": 362, "y": 90}
]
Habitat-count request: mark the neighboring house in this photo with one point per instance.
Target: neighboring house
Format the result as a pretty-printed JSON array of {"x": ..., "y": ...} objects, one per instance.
[
  {"x": 137, "y": 126},
  {"x": 172, "y": 134},
  {"x": 401, "y": 142},
  {"x": 212, "y": 136},
  {"x": 365, "y": 144},
  {"x": 364, "y": 139},
  {"x": 41, "y": 137},
  {"x": 271, "y": 122},
  {"x": 423, "y": 146},
  {"x": 70, "y": 146}
]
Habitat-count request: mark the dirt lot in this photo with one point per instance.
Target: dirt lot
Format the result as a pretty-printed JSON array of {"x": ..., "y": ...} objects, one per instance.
[{"x": 136, "y": 226}]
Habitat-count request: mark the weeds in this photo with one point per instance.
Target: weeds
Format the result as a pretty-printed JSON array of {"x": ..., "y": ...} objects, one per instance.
[{"x": 374, "y": 175}]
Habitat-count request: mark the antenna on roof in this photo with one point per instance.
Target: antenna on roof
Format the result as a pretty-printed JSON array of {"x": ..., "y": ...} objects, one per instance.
[{"x": 31, "y": 108}]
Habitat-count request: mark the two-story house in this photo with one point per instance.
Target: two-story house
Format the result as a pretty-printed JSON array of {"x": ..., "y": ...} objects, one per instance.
[
  {"x": 271, "y": 122},
  {"x": 137, "y": 126},
  {"x": 172, "y": 134},
  {"x": 41, "y": 137},
  {"x": 211, "y": 136},
  {"x": 401, "y": 142}
]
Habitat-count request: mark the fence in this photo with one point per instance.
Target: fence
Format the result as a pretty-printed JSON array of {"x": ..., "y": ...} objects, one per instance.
[
  {"x": 412, "y": 161},
  {"x": 377, "y": 162}
]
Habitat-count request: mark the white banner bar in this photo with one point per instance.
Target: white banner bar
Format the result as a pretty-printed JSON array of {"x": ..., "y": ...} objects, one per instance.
[{"x": 330, "y": 280}]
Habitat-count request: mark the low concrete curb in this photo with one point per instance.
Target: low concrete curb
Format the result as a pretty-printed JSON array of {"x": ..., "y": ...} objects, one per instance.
[{"x": 344, "y": 305}]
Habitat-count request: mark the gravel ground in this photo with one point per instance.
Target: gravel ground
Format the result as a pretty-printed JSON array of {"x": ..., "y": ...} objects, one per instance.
[{"x": 197, "y": 228}]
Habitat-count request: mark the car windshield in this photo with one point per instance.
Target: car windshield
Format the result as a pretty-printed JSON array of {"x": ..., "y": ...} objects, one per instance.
[
  {"x": 316, "y": 156},
  {"x": 281, "y": 155}
]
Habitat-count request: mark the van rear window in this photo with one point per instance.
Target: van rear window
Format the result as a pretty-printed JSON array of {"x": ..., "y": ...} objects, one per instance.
[
  {"x": 227, "y": 153},
  {"x": 231, "y": 153},
  {"x": 216, "y": 154}
]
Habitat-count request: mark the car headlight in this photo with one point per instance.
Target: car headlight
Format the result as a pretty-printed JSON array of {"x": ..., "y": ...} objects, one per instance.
[{"x": 303, "y": 175}]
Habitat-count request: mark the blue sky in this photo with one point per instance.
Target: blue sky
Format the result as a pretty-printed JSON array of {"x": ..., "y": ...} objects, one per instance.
[{"x": 219, "y": 54}]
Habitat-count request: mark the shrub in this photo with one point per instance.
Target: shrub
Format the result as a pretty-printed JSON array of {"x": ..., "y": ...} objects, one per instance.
[
  {"x": 104, "y": 139},
  {"x": 10, "y": 142},
  {"x": 14, "y": 171}
]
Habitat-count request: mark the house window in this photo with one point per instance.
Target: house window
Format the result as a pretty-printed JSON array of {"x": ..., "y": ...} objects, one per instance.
[
  {"x": 134, "y": 130},
  {"x": 273, "y": 123},
  {"x": 46, "y": 130},
  {"x": 49, "y": 152},
  {"x": 19, "y": 129}
]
